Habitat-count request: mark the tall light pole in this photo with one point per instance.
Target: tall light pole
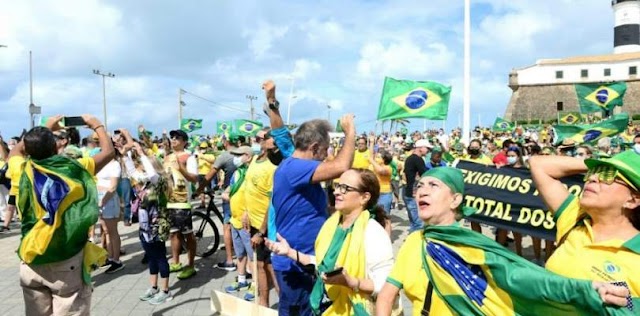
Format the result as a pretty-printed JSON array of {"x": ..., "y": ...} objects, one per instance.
[
  {"x": 251, "y": 98},
  {"x": 329, "y": 112},
  {"x": 466, "y": 100},
  {"x": 180, "y": 105},
  {"x": 290, "y": 97},
  {"x": 104, "y": 93},
  {"x": 33, "y": 109}
]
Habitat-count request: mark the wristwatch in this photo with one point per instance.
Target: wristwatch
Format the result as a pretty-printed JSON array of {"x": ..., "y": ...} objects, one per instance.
[
  {"x": 275, "y": 105},
  {"x": 260, "y": 234}
]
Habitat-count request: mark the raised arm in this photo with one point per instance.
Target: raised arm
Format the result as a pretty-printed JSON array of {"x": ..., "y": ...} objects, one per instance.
[
  {"x": 546, "y": 172},
  {"x": 275, "y": 119},
  {"x": 107, "y": 153},
  {"x": 329, "y": 170}
]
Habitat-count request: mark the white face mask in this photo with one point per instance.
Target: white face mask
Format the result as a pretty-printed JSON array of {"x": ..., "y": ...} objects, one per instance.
[
  {"x": 512, "y": 160},
  {"x": 636, "y": 148},
  {"x": 237, "y": 161},
  {"x": 256, "y": 149},
  {"x": 161, "y": 152}
]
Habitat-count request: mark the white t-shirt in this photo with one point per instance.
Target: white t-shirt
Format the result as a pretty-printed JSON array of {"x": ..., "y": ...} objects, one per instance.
[{"x": 111, "y": 170}]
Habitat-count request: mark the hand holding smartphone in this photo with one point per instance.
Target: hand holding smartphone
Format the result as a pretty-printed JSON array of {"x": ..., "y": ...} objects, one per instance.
[
  {"x": 72, "y": 121},
  {"x": 333, "y": 272}
]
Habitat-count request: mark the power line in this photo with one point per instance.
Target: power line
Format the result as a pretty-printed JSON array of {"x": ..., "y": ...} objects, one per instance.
[{"x": 217, "y": 103}]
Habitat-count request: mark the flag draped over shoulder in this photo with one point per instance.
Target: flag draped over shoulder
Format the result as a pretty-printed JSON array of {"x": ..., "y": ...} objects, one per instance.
[
  {"x": 224, "y": 127},
  {"x": 474, "y": 275},
  {"x": 598, "y": 97},
  {"x": 592, "y": 132},
  {"x": 406, "y": 98},
  {"x": 570, "y": 118},
  {"x": 190, "y": 125},
  {"x": 58, "y": 204},
  {"x": 502, "y": 125},
  {"x": 247, "y": 127}
]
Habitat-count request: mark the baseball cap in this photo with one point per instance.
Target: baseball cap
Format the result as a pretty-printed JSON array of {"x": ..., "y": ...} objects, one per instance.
[
  {"x": 204, "y": 145},
  {"x": 423, "y": 143},
  {"x": 626, "y": 163},
  {"x": 180, "y": 134},
  {"x": 242, "y": 150}
]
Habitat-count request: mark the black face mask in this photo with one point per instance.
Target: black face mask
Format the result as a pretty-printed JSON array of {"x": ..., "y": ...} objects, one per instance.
[
  {"x": 275, "y": 156},
  {"x": 473, "y": 151}
]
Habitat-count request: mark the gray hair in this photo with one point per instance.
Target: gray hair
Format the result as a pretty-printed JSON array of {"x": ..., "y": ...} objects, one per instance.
[
  {"x": 314, "y": 131},
  {"x": 604, "y": 143}
]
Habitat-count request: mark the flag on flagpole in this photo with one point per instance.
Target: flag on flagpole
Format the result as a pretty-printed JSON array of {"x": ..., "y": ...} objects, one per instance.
[
  {"x": 406, "y": 98},
  {"x": 224, "y": 127},
  {"x": 339, "y": 127},
  {"x": 570, "y": 118},
  {"x": 247, "y": 127},
  {"x": 190, "y": 125},
  {"x": 596, "y": 97},
  {"x": 592, "y": 132},
  {"x": 502, "y": 125}
]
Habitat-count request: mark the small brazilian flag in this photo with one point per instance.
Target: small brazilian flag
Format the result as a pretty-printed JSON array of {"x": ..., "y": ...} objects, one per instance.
[
  {"x": 599, "y": 97},
  {"x": 591, "y": 133},
  {"x": 339, "y": 127},
  {"x": 405, "y": 98},
  {"x": 247, "y": 127},
  {"x": 224, "y": 127},
  {"x": 502, "y": 125},
  {"x": 571, "y": 118},
  {"x": 190, "y": 125}
]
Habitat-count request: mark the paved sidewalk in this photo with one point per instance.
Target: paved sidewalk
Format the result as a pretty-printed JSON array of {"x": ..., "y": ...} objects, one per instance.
[{"x": 117, "y": 294}]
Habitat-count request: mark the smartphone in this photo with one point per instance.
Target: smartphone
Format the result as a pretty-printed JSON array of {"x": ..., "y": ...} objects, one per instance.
[
  {"x": 116, "y": 132},
  {"x": 333, "y": 272},
  {"x": 70, "y": 121}
]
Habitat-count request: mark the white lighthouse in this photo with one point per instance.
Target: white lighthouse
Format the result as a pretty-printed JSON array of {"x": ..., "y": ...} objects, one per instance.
[{"x": 626, "y": 34}]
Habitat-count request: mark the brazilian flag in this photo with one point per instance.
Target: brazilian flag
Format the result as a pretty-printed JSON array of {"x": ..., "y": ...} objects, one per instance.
[
  {"x": 339, "y": 127},
  {"x": 224, "y": 127},
  {"x": 598, "y": 97},
  {"x": 502, "y": 125},
  {"x": 591, "y": 133},
  {"x": 247, "y": 127},
  {"x": 474, "y": 275},
  {"x": 406, "y": 98},
  {"x": 571, "y": 118},
  {"x": 58, "y": 203},
  {"x": 190, "y": 125}
]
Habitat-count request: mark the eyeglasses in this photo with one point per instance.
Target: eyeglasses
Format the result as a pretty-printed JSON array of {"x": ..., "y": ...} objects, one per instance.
[
  {"x": 608, "y": 175},
  {"x": 344, "y": 188},
  {"x": 581, "y": 154}
]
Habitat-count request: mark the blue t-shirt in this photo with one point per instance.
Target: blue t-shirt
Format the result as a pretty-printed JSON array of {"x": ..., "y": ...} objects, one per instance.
[
  {"x": 282, "y": 139},
  {"x": 301, "y": 208}
]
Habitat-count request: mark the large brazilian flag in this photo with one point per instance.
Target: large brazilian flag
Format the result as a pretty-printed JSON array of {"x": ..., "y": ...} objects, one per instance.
[
  {"x": 58, "y": 204},
  {"x": 406, "y": 98},
  {"x": 593, "y": 132},
  {"x": 596, "y": 97},
  {"x": 474, "y": 275},
  {"x": 189, "y": 125},
  {"x": 247, "y": 127},
  {"x": 502, "y": 125}
]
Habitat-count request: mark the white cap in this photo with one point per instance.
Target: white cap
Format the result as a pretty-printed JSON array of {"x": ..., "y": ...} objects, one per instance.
[{"x": 423, "y": 143}]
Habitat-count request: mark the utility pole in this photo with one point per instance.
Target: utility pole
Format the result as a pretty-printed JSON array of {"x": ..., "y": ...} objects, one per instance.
[
  {"x": 180, "y": 105},
  {"x": 251, "y": 98},
  {"x": 33, "y": 109},
  {"x": 290, "y": 98},
  {"x": 104, "y": 93},
  {"x": 329, "y": 112}
]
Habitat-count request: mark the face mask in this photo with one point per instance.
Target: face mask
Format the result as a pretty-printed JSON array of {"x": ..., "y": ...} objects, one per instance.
[
  {"x": 161, "y": 152},
  {"x": 474, "y": 151},
  {"x": 636, "y": 148},
  {"x": 511, "y": 160},
  {"x": 275, "y": 156},
  {"x": 10, "y": 147},
  {"x": 256, "y": 149},
  {"x": 237, "y": 161}
]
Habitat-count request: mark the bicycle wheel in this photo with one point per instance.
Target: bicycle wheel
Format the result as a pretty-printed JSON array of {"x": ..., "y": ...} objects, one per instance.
[{"x": 206, "y": 233}]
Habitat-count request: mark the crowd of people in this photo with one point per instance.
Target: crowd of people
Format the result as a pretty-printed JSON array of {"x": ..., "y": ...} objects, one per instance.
[{"x": 315, "y": 213}]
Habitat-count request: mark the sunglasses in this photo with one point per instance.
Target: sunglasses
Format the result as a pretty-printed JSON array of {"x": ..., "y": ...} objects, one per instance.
[
  {"x": 344, "y": 188},
  {"x": 608, "y": 175}
]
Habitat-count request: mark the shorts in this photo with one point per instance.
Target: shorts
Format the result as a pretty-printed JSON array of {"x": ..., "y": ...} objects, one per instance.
[
  {"x": 241, "y": 243},
  {"x": 207, "y": 185},
  {"x": 12, "y": 200},
  {"x": 226, "y": 212},
  {"x": 111, "y": 210},
  {"x": 262, "y": 252},
  {"x": 180, "y": 221},
  {"x": 395, "y": 187}
]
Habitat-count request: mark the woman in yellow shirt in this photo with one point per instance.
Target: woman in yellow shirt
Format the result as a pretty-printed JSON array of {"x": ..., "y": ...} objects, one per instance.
[{"x": 598, "y": 233}]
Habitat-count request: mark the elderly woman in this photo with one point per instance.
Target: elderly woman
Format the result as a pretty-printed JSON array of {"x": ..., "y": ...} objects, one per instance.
[
  {"x": 353, "y": 254},
  {"x": 449, "y": 270},
  {"x": 598, "y": 233}
]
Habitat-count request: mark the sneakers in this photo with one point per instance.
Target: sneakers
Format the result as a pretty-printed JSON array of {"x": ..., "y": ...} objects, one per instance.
[
  {"x": 237, "y": 287},
  {"x": 160, "y": 298},
  {"x": 226, "y": 266},
  {"x": 5, "y": 230},
  {"x": 251, "y": 293},
  {"x": 115, "y": 267},
  {"x": 149, "y": 294},
  {"x": 186, "y": 273},
  {"x": 175, "y": 267},
  {"x": 107, "y": 262}
]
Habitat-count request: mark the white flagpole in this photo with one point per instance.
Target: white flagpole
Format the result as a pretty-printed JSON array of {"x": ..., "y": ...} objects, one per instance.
[{"x": 466, "y": 126}]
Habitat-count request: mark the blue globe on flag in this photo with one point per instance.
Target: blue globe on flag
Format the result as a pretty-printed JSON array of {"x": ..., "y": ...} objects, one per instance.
[
  {"x": 504, "y": 125},
  {"x": 416, "y": 99},
  {"x": 602, "y": 96},
  {"x": 591, "y": 135},
  {"x": 248, "y": 127},
  {"x": 192, "y": 125},
  {"x": 224, "y": 126}
]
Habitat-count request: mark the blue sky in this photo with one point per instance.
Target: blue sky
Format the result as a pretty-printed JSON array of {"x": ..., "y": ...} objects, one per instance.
[{"x": 338, "y": 52}]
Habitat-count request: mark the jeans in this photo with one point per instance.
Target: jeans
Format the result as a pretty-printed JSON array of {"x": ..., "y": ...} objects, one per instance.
[
  {"x": 412, "y": 211},
  {"x": 295, "y": 288},
  {"x": 385, "y": 200},
  {"x": 124, "y": 191},
  {"x": 156, "y": 254}
]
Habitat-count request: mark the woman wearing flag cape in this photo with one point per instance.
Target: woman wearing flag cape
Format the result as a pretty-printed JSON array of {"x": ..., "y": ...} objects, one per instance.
[{"x": 450, "y": 270}]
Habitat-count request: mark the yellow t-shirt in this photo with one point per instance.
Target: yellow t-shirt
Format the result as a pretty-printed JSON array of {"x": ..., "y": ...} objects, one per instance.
[
  {"x": 258, "y": 184},
  {"x": 361, "y": 159},
  {"x": 580, "y": 257},
  {"x": 238, "y": 204},
  {"x": 409, "y": 275},
  {"x": 385, "y": 180},
  {"x": 16, "y": 167},
  {"x": 482, "y": 159},
  {"x": 204, "y": 163}
]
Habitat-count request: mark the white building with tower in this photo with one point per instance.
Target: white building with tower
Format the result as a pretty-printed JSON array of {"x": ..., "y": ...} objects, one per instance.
[{"x": 542, "y": 90}]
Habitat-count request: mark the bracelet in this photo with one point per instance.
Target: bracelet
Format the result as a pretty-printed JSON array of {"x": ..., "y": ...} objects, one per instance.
[
  {"x": 95, "y": 128},
  {"x": 297, "y": 256}
]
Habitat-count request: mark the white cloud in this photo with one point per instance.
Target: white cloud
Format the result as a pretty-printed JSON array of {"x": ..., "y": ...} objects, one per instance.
[
  {"x": 303, "y": 67},
  {"x": 262, "y": 37}
]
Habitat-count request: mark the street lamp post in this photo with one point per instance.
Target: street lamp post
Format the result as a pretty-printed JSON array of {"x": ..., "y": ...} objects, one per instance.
[
  {"x": 329, "y": 112},
  {"x": 251, "y": 98},
  {"x": 104, "y": 93},
  {"x": 33, "y": 109},
  {"x": 180, "y": 105},
  {"x": 290, "y": 97}
]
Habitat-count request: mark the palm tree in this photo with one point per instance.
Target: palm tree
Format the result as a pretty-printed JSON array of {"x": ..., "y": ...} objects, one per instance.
[{"x": 402, "y": 122}]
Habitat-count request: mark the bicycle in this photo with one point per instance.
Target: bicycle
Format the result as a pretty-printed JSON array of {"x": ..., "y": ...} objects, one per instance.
[{"x": 205, "y": 229}]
